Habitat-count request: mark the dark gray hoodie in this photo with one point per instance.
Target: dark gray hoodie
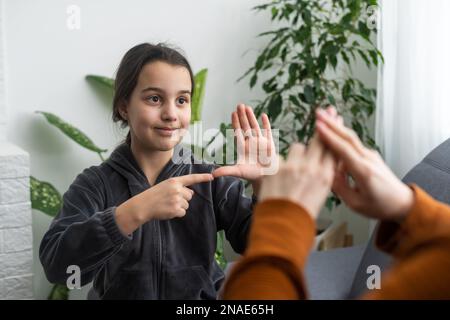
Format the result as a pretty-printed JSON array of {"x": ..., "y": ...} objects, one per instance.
[{"x": 163, "y": 259}]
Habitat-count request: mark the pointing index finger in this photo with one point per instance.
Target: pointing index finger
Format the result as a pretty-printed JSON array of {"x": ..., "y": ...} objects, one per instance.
[{"x": 191, "y": 179}]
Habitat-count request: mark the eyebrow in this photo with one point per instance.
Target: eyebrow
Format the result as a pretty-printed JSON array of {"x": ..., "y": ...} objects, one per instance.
[{"x": 162, "y": 91}]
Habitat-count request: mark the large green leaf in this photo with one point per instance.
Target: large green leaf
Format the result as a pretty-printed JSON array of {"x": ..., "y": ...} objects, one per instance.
[
  {"x": 59, "y": 292},
  {"x": 199, "y": 93},
  {"x": 104, "y": 81},
  {"x": 274, "y": 107},
  {"x": 309, "y": 94},
  {"x": 45, "y": 197},
  {"x": 219, "y": 255},
  {"x": 75, "y": 134}
]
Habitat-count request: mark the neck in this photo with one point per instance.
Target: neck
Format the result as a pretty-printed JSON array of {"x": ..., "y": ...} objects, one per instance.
[{"x": 151, "y": 161}]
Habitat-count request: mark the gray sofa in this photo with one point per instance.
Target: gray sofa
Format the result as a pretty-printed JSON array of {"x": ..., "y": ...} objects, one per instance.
[{"x": 342, "y": 273}]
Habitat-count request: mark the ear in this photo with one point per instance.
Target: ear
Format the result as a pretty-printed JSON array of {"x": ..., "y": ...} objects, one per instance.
[{"x": 123, "y": 110}]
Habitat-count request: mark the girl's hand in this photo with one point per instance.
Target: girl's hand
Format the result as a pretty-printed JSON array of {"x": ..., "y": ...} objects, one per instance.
[
  {"x": 375, "y": 191},
  {"x": 256, "y": 155},
  {"x": 167, "y": 200}
]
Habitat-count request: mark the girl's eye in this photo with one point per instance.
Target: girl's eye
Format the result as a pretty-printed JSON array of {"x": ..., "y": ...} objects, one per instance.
[
  {"x": 182, "y": 100},
  {"x": 153, "y": 99}
]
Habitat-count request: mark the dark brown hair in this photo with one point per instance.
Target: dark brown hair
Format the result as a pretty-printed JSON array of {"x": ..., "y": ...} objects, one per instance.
[{"x": 130, "y": 67}]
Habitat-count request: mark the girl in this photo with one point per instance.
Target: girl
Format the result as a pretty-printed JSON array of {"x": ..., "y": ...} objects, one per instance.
[{"x": 142, "y": 225}]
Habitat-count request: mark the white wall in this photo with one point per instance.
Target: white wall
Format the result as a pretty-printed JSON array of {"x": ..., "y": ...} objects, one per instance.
[
  {"x": 2, "y": 77},
  {"x": 47, "y": 62},
  {"x": 16, "y": 241}
]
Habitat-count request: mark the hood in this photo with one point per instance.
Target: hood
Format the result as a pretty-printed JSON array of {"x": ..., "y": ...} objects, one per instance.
[{"x": 123, "y": 162}]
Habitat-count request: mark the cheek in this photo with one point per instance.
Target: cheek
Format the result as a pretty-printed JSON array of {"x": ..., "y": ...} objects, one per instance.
[
  {"x": 146, "y": 116},
  {"x": 185, "y": 117},
  {"x": 141, "y": 121}
]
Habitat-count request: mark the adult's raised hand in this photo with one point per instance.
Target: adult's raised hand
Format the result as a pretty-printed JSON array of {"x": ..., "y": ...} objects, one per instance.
[{"x": 373, "y": 189}]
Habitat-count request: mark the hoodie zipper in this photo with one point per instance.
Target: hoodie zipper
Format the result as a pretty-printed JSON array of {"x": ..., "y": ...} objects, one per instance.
[
  {"x": 123, "y": 161},
  {"x": 158, "y": 259}
]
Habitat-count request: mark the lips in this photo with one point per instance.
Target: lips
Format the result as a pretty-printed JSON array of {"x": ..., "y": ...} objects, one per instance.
[{"x": 166, "y": 131}]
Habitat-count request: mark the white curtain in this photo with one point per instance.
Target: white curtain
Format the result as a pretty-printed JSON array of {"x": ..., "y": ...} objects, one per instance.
[{"x": 413, "y": 113}]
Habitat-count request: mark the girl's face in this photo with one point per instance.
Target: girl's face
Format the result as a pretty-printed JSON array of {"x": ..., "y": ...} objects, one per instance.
[{"x": 159, "y": 109}]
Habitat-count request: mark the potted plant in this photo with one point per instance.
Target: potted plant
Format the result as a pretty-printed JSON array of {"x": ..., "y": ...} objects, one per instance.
[{"x": 307, "y": 63}]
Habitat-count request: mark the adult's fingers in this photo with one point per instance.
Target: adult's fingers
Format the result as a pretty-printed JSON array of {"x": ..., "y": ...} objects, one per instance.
[
  {"x": 328, "y": 163},
  {"x": 345, "y": 151},
  {"x": 296, "y": 153},
  {"x": 344, "y": 191},
  {"x": 254, "y": 125},
  {"x": 191, "y": 179},
  {"x": 315, "y": 150},
  {"x": 344, "y": 132},
  {"x": 331, "y": 111},
  {"x": 341, "y": 167}
]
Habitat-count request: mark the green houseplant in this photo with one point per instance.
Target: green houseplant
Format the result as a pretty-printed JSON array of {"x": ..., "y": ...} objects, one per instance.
[
  {"x": 297, "y": 68},
  {"x": 47, "y": 199},
  {"x": 307, "y": 63}
]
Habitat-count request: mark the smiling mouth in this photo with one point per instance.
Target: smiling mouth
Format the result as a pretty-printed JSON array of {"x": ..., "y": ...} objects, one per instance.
[{"x": 166, "y": 131}]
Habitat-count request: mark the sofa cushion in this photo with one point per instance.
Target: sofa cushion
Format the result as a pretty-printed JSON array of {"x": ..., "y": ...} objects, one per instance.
[
  {"x": 329, "y": 274},
  {"x": 433, "y": 175}
]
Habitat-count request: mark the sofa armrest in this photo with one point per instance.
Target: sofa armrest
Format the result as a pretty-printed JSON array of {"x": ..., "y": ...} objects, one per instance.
[{"x": 329, "y": 274}]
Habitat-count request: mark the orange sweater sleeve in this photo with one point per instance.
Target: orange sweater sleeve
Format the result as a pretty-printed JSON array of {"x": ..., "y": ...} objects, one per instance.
[
  {"x": 282, "y": 235},
  {"x": 421, "y": 249},
  {"x": 280, "y": 239}
]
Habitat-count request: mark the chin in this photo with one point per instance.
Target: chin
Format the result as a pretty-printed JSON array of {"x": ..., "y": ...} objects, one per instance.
[
  {"x": 167, "y": 146},
  {"x": 161, "y": 144}
]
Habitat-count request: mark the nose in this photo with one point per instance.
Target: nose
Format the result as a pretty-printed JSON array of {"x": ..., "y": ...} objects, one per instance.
[{"x": 169, "y": 112}]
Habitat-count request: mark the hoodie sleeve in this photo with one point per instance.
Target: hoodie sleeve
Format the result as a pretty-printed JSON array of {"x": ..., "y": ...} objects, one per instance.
[
  {"x": 233, "y": 211},
  {"x": 83, "y": 233}
]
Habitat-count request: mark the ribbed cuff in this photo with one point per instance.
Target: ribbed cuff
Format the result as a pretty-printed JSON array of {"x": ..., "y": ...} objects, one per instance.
[{"x": 112, "y": 229}]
